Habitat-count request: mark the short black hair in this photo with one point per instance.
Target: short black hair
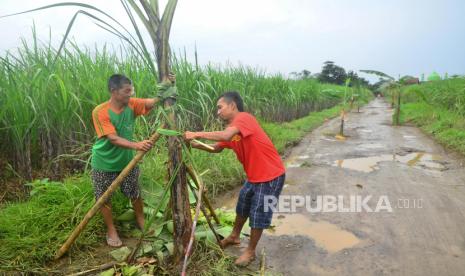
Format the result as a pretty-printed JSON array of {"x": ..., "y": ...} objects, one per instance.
[
  {"x": 117, "y": 81},
  {"x": 233, "y": 96}
]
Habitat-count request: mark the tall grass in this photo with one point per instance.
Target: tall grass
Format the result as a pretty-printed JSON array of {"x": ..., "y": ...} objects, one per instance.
[
  {"x": 45, "y": 107},
  {"x": 449, "y": 94},
  {"x": 438, "y": 107}
]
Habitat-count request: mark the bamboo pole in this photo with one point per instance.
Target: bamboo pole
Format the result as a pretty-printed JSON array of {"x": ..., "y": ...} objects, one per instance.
[
  {"x": 196, "y": 180},
  {"x": 101, "y": 201}
]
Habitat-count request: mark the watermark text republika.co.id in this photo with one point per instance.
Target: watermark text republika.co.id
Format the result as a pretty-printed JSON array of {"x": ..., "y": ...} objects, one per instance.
[{"x": 338, "y": 203}]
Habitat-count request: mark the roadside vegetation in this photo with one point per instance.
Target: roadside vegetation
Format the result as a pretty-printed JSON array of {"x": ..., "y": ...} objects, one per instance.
[{"x": 438, "y": 107}]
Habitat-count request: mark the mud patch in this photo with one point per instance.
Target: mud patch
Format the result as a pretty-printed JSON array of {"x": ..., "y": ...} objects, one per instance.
[
  {"x": 326, "y": 235},
  {"x": 297, "y": 161},
  {"x": 418, "y": 160}
]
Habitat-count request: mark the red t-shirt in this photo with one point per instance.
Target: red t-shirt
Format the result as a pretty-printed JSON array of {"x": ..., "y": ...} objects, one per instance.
[{"x": 254, "y": 150}]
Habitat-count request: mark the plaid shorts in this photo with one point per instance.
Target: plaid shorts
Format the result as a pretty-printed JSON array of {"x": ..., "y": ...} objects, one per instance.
[
  {"x": 102, "y": 180},
  {"x": 251, "y": 202}
]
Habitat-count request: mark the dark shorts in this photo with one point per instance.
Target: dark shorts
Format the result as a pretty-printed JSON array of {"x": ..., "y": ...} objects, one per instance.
[
  {"x": 251, "y": 202},
  {"x": 102, "y": 180}
]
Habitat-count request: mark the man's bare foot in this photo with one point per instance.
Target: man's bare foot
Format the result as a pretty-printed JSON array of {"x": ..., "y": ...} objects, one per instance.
[
  {"x": 113, "y": 239},
  {"x": 230, "y": 241},
  {"x": 246, "y": 258}
]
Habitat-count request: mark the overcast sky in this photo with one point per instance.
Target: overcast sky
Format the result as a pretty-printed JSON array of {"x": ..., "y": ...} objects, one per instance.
[{"x": 397, "y": 37}]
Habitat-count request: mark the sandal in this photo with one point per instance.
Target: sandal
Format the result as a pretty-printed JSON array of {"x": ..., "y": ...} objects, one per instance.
[{"x": 114, "y": 242}]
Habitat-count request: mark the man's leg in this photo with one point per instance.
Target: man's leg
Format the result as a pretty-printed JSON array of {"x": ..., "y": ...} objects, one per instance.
[
  {"x": 249, "y": 253},
  {"x": 112, "y": 234},
  {"x": 130, "y": 188},
  {"x": 138, "y": 206},
  {"x": 235, "y": 236},
  {"x": 260, "y": 218},
  {"x": 242, "y": 213},
  {"x": 101, "y": 180}
]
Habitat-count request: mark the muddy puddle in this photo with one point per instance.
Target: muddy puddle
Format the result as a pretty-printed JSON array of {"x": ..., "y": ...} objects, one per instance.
[
  {"x": 418, "y": 160},
  {"x": 296, "y": 161},
  {"x": 326, "y": 235}
]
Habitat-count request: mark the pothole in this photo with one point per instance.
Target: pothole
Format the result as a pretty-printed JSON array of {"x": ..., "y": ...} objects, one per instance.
[
  {"x": 418, "y": 160},
  {"x": 326, "y": 235}
]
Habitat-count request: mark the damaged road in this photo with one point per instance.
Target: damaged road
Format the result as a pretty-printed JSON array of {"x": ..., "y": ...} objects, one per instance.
[{"x": 413, "y": 189}]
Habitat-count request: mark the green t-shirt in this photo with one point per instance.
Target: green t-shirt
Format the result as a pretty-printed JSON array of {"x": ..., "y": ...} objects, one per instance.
[{"x": 105, "y": 155}]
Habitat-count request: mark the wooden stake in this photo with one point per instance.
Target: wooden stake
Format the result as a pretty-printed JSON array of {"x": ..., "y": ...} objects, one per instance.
[
  {"x": 199, "y": 206},
  {"x": 194, "y": 225},
  {"x": 196, "y": 180},
  {"x": 205, "y": 213}
]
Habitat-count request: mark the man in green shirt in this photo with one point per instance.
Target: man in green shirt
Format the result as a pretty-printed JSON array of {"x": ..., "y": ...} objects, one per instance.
[{"x": 114, "y": 148}]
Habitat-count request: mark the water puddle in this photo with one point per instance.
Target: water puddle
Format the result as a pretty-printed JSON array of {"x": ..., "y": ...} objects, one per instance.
[
  {"x": 326, "y": 235},
  {"x": 418, "y": 160}
]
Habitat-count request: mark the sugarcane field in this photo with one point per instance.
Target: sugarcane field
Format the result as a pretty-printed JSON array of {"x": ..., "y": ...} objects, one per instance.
[{"x": 146, "y": 137}]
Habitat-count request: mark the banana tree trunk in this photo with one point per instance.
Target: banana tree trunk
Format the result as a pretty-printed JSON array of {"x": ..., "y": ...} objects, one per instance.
[
  {"x": 398, "y": 108},
  {"x": 180, "y": 208}
]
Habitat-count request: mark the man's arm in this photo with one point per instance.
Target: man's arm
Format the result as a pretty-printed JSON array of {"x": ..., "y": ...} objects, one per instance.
[
  {"x": 151, "y": 102},
  {"x": 121, "y": 142},
  {"x": 224, "y": 135},
  {"x": 216, "y": 147}
]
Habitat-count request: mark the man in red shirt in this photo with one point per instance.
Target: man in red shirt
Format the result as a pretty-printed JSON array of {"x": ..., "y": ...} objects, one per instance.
[{"x": 262, "y": 164}]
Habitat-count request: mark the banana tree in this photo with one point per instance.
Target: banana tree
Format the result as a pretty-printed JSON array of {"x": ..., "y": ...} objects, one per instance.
[
  {"x": 158, "y": 25},
  {"x": 341, "y": 127},
  {"x": 392, "y": 86}
]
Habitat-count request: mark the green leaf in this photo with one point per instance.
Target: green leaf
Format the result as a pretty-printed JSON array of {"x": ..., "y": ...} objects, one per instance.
[
  {"x": 130, "y": 270},
  {"x": 109, "y": 272},
  {"x": 169, "y": 132},
  {"x": 120, "y": 254},
  {"x": 129, "y": 215},
  {"x": 170, "y": 247}
]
